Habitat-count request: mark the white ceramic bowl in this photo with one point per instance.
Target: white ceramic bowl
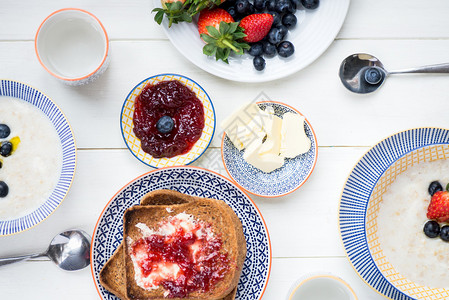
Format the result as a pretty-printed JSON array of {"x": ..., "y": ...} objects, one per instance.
[
  {"x": 73, "y": 46},
  {"x": 321, "y": 287}
]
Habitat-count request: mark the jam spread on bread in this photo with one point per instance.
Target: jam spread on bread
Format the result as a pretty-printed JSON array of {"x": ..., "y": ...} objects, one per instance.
[
  {"x": 183, "y": 256},
  {"x": 172, "y": 101}
]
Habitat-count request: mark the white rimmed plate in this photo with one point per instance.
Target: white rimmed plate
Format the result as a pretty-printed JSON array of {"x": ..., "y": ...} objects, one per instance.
[{"x": 313, "y": 34}]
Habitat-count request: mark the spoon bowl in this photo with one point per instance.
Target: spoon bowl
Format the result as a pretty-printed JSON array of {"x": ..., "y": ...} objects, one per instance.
[
  {"x": 362, "y": 73},
  {"x": 69, "y": 250}
]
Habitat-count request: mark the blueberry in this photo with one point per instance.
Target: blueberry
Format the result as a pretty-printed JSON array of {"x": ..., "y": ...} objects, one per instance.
[
  {"x": 242, "y": 6},
  {"x": 284, "y": 6},
  {"x": 434, "y": 187},
  {"x": 5, "y": 149},
  {"x": 284, "y": 30},
  {"x": 275, "y": 35},
  {"x": 296, "y": 4},
  {"x": 310, "y": 4},
  {"x": 289, "y": 20},
  {"x": 269, "y": 49},
  {"x": 251, "y": 9},
  {"x": 3, "y": 189},
  {"x": 431, "y": 229},
  {"x": 260, "y": 5},
  {"x": 232, "y": 11},
  {"x": 271, "y": 5},
  {"x": 1, "y": 164},
  {"x": 4, "y": 131},
  {"x": 373, "y": 75},
  {"x": 444, "y": 233},
  {"x": 276, "y": 18},
  {"x": 256, "y": 49},
  {"x": 259, "y": 63},
  {"x": 165, "y": 124},
  {"x": 285, "y": 49}
]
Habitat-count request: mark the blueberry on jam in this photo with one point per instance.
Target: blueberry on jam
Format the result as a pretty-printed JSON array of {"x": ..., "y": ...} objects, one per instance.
[
  {"x": 178, "y": 102},
  {"x": 5, "y": 149},
  {"x": 431, "y": 229},
  {"x": 4, "y": 131},
  {"x": 165, "y": 124},
  {"x": 434, "y": 187},
  {"x": 3, "y": 189}
]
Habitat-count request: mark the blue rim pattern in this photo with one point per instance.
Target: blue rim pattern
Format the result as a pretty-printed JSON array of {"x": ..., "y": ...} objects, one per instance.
[
  {"x": 108, "y": 233},
  {"x": 282, "y": 181},
  {"x": 50, "y": 109},
  {"x": 357, "y": 192},
  {"x": 167, "y": 74}
]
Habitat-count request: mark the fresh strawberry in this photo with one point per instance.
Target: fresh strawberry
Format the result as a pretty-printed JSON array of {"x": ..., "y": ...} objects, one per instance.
[
  {"x": 256, "y": 26},
  {"x": 439, "y": 207},
  {"x": 221, "y": 34},
  {"x": 213, "y": 18}
]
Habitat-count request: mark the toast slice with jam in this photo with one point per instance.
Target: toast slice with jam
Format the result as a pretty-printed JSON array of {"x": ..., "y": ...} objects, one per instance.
[{"x": 113, "y": 274}]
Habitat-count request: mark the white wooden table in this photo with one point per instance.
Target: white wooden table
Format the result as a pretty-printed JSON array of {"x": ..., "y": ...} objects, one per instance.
[{"x": 303, "y": 225}]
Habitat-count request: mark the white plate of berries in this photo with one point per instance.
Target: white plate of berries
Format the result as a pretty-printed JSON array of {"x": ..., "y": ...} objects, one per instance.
[{"x": 251, "y": 40}]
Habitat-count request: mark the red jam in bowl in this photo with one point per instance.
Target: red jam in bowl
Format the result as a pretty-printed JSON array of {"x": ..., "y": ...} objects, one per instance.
[
  {"x": 187, "y": 260},
  {"x": 173, "y": 99}
]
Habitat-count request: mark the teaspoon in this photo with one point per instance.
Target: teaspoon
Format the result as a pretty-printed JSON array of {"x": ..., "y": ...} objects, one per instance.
[
  {"x": 69, "y": 250},
  {"x": 363, "y": 73}
]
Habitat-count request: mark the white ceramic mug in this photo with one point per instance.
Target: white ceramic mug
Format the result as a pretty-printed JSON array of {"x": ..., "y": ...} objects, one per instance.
[
  {"x": 73, "y": 46},
  {"x": 321, "y": 287}
]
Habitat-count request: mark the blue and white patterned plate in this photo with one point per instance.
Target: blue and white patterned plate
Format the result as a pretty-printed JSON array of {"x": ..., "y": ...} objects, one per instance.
[
  {"x": 360, "y": 202},
  {"x": 108, "y": 233},
  {"x": 285, "y": 180},
  {"x": 51, "y": 110}
]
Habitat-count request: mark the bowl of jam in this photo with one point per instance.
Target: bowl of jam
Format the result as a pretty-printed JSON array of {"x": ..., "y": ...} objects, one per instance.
[{"x": 167, "y": 120}]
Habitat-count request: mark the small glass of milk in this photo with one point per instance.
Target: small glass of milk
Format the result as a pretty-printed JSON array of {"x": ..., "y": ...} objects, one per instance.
[
  {"x": 73, "y": 46},
  {"x": 321, "y": 287}
]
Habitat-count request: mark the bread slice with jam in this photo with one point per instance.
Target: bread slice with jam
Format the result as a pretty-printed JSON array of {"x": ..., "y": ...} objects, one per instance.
[
  {"x": 113, "y": 276},
  {"x": 196, "y": 250}
]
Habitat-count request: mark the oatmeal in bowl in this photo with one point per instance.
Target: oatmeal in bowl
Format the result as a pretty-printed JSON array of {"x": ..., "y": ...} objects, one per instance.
[
  {"x": 37, "y": 157},
  {"x": 386, "y": 209}
]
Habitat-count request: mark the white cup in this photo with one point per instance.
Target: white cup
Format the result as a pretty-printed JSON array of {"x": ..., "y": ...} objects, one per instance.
[
  {"x": 73, "y": 46},
  {"x": 321, "y": 287}
]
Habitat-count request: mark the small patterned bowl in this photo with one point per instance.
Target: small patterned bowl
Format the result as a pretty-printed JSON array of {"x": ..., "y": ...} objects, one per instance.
[
  {"x": 360, "y": 204},
  {"x": 285, "y": 180},
  {"x": 133, "y": 143},
  {"x": 51, "y": 110}
]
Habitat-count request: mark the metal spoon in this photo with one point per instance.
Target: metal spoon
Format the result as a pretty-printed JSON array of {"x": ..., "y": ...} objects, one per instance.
[
  {"x": 69, "y": 250},
  {"x": 363, "y": 73}
]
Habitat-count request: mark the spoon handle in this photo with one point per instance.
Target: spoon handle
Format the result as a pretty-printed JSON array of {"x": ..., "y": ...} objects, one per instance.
[
  {"x": 11, "y": 260},
  {"x": 440, "y": 68}
]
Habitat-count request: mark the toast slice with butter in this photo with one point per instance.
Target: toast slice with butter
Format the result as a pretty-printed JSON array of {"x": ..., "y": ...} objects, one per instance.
[{"x": 112, "y": 276}]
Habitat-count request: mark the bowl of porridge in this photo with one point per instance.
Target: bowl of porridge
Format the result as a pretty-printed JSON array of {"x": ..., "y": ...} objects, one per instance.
[
  {"x": 37, "y": 157},
  {"x": 383, "y": 210}
]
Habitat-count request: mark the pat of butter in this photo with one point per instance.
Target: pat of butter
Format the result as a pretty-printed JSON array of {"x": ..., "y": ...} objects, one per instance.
[
  {"x": 267, "y": 162},
  {"x": 294, "y": 140},
  {"x": 247, "y": 125},
  {"x": 272, "y": 143}
]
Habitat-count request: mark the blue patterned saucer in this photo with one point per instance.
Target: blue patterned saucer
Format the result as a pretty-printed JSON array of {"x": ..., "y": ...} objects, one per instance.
[
  {"x": 108, "y": 232},
  {"x": 285, "y": 180},
  {"x": 51, "y": 110}
]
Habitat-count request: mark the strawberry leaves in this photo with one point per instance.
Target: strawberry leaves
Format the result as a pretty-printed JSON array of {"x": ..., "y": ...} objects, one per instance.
[
  {"x": 175, "y": 11},
  {"x": 220, "y": 42}
]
